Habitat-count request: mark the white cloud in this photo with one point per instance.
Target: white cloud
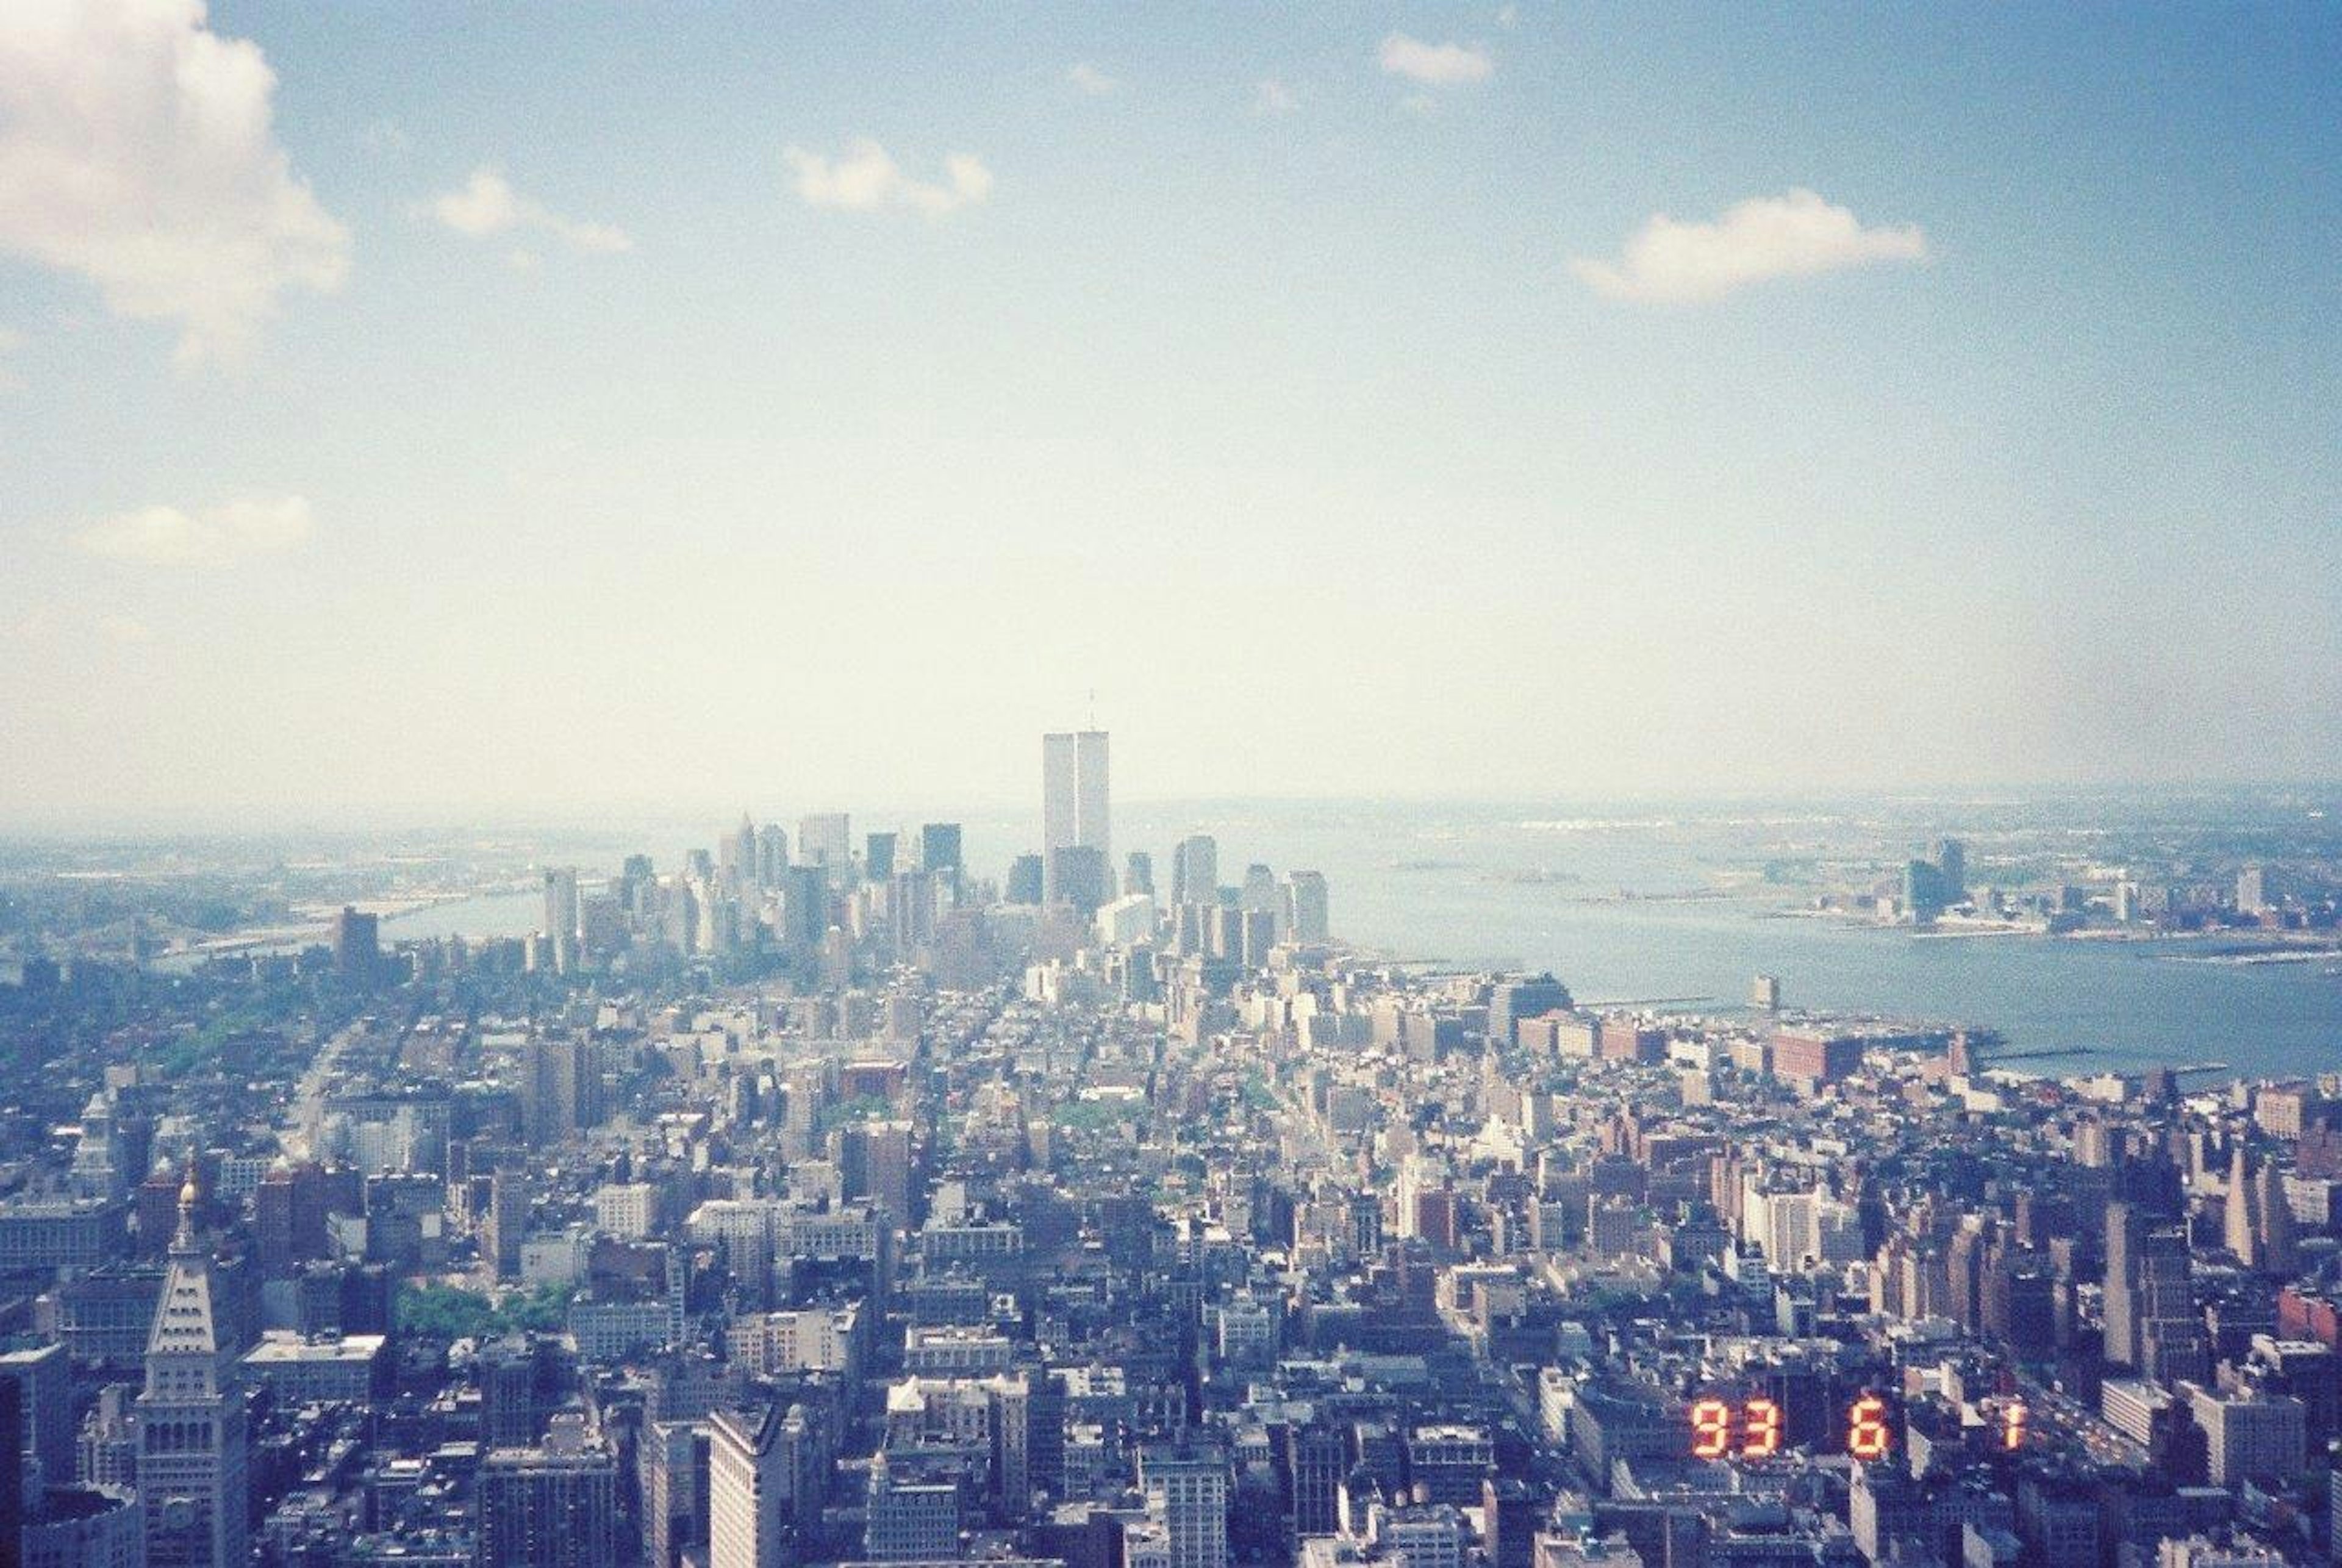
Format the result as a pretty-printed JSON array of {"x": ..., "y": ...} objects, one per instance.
[
  {"x": 865, "y": 177},
  {"x": 169, "y": 536},
  {"x": 1088, "y": 79},
  {"x": 486, "y": 204},
  {"x": 123, "y": 629},
  {"x": 1508, "y": 16},
  {"x": 1793, "y": 235},
  {"x": 1274, "y": 97},
  {"x": 1434, "y": 64},
  {"x": 137, "y": 152}
]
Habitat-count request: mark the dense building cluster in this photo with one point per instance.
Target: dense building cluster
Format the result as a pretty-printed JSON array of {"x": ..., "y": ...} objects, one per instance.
[{"x": 825, "y": 1204}]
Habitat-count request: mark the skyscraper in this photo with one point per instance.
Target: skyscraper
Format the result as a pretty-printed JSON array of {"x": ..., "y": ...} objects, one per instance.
[
  {"x": 505, "y": 1222},
  {"x": 1952, "y": 864},
  {"x": 1079, "y": 875},
  {"x": 826, "y": 840},
  {"x": 1258, "y": 891},
  {"x": 2149, "y": 1299},
  {"x": 1307, "y": 916},
  {"x": 1187, "y": 1493},
  {"x": 560, "y": 1088},
  {"x": 551, "y": 1506},
  {"x": 736, "y": 854},
  {"x": 561, "y": 915},
  {"x": 560, "y": 900},
  {"x": 1074, "y": 800},
  {"x": 673, "y": 1471},
  {"x": 772, "y": 855},
  {"x": 749, "y": 1487},
  {"x": 1195, "y": 870},
  {"x": 939, "y": 849},
  {"x": 192, "y": 1460},
  {"x": 357, "y": 943}
]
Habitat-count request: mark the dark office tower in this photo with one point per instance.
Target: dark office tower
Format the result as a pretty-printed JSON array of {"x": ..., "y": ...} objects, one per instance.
[
  {"x": 2125, "y": 1228},
  {"x": 364, "y": 1292},
  {"x": 1508, "y": 1513},
  {"x": 1075, "y": 806},
  {"x": 1316, "y": 1456},
  {"x": 2021, "y": 1306},
  {"x": 1307, "y": 917},
  {"x": 1195, "y": 870},
  {"x": 1225, "y": 936},
  {"x": 358, "y": 944},
  {"x": 560, "y": 1088},
  {"x": 12, "y": 1472},
  {"x": 2149, "y": 1307},
  {"x": 1952, "y": 867},
  {"x": 522, "y": 1380},
  {"x": 772, "y": 855},
  {"x": 805, "y": 908},
  {"x": 43, "y": 1376},
  {"x": 577, "y": 1080},
  {"x": 1025, "y": 880},
  {"x": 874, "y": 1162},
  {"x": 740, "y": 855},
  {"x": 552, "y": 1507},
  {"x": 506, "y": 1223},
  {"x": 1260, "y": 890},
  {"x": 1139, "y": 873},
  {"x": 1190, "y": 929},
  {"x": 672, "y": 1462},
  {"x": 154, "y": 1206},
  {"x": 1923, "y": 891},
  {"x": 638, "y": 886},
  {"x": 1078, "y": 877},
  {"x": 939, "y": 849},
  {"x": 878, "y": 856},
  {"x": 1259, "y": 936}
]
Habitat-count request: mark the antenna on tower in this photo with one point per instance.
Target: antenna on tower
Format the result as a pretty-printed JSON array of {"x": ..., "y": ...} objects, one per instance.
[{"x": 1093, "y": 719}]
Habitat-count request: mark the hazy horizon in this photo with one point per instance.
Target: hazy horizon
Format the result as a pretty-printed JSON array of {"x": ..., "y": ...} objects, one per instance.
[
  {"x": 1455, "y": 402},
  {"x": 706, "y": 820}
]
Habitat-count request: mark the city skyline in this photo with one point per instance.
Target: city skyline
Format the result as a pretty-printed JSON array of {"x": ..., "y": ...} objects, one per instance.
[
  {"x": 1679, "y": 904},
  {"x": 1471, "y": 401}
]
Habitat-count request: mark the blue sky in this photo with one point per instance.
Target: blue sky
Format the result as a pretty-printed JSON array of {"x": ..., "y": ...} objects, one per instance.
[{"x": 559, "y": 404}]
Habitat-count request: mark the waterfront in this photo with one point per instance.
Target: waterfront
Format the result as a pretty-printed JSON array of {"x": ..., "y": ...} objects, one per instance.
[
  {"x": 1452, "y": 891},
  {"x": 1636, "y": 906}
]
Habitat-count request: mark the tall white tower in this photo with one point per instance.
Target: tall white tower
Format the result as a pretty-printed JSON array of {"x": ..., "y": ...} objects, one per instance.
[
  {"x": 749, "y": 1488},
  {"x": 1074, "y": 808},
  {"x": 192, "y": 1443}
]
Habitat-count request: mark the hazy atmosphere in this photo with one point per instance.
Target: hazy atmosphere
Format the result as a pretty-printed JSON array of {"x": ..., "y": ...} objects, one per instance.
[
  {"x": 998, "y": 785},
  {"x": 442, "y": 408}
]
